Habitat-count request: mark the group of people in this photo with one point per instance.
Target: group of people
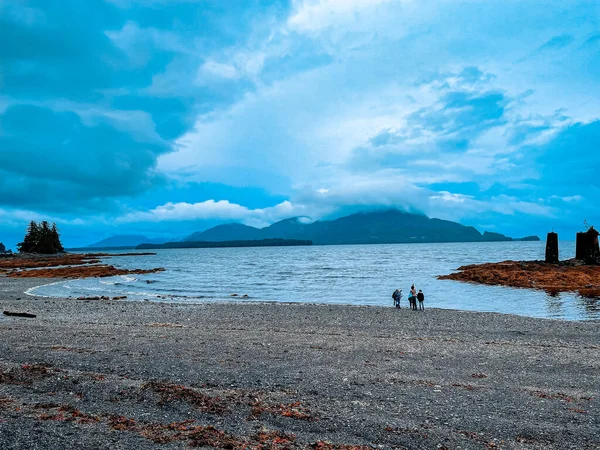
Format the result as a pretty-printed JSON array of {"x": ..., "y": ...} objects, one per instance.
[{"x": 413, "y": 298}]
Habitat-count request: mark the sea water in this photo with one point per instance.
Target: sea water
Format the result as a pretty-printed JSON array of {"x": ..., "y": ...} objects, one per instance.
[{"x": 340, "y": 274}]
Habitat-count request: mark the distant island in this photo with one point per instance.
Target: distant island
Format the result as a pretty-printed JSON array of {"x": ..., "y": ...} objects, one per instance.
[
  {"x": 380, "y": 227},
  {"x": 124, "y": 241},
  {"x": 252, "y": 243},
  {"x": 497, "y": 237}
]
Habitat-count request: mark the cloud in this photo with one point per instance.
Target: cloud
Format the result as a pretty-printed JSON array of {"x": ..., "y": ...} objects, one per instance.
[
  {"x": 84, "y": 116},
  {"x": 69, "y": 160},
  {"x": 211, "y": 209},
  {"x": 569, "y": 199},
  {"x": 557, "y": 42},
  {"x": 220, "y": 70},
  {"x": 569, "y": 162},
  {"x": 132, "y": 105},
  {"x": 313, "y": 15}
]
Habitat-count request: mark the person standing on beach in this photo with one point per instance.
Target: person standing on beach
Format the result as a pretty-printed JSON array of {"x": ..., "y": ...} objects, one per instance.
[
  {"x": 412, "y": 298},
  {"x": 421, "y": 298},
  {"x": 397, "y": 295}
]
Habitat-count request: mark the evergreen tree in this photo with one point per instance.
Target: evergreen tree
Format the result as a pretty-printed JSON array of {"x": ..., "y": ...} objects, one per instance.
[
  {"x": 45, "y": 244},
  {"x": 56, "y": 244},
  {"x": 30, "y": 242},
  {"x": 41, "y": 238}
]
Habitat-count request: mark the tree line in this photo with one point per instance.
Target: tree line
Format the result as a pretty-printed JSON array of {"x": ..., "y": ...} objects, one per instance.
[{"x": 41, "y": 238}]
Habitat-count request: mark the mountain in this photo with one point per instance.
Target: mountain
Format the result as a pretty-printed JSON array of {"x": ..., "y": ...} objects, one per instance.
[
  {"x": 528, "y": 239},
  {"x": 379, "y": 227},
  {"x": 226, "y": 232},
  {"x": 490, "y": 236},
  {"x": 125, "y": 240},
  {"x": 215, "y": 244}
]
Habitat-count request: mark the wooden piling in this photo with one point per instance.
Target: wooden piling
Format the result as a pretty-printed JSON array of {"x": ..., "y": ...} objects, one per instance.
[
  {"x": 586, "y": 246},
  {"x": 552, "y": 248},
  {"x": 580, "y": 246}
]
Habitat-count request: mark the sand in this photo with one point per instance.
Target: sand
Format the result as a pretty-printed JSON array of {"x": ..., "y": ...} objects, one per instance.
[{"x": 136, "y": 375}]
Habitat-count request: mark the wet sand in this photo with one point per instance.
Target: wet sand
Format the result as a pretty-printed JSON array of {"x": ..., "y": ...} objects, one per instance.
[{"x": 135, "y": 375}]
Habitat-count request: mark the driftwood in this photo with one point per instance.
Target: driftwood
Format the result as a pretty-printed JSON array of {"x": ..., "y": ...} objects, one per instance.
[{"x": 18, "y": 314}]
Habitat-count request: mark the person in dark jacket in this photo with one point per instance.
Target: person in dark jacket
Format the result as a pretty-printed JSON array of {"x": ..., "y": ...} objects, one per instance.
[
  {"x": 397, "y": 295},
  {"x": 421, "y": 298}
]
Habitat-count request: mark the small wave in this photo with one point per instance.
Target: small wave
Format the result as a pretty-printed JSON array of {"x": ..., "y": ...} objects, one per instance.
[
  {"x": 141, "y": 294},
  {"x": 128, "y": 279},
  {"x": 93, "y": 289},
  {"x": 31, "y": 291}
]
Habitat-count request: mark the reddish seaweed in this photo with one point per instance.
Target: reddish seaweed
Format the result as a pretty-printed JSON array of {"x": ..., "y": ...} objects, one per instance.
[{"x": 566, "y": 276}]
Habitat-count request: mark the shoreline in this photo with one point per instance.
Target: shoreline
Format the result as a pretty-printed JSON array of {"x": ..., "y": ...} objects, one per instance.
[
  {"x": 116, "y": 374},
  {"x": 236, "y": 301}
]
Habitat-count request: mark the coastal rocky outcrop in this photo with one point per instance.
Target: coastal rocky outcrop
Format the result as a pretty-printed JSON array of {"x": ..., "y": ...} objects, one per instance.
[
  {"x": 569, "y": 275},
  {"x": 32, "y": 261},
  {"x": 581, "y": 274},
  {"x": 80, "y": 272},
  {"x": 67, "y": 266}
]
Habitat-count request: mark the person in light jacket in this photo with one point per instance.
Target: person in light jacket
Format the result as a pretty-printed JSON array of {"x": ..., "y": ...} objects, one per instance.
[{"x": 412, "y": 298}]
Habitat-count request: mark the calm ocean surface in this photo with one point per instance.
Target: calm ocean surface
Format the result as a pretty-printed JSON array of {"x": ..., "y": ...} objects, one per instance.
[{"x": 345, "y": 274}]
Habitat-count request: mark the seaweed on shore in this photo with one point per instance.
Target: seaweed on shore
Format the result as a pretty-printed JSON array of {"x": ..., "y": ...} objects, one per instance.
[
  {"x": 169, "y": 392},
  {"x": 80, "y": 272},
  {"x": 84, "y": 265},
  {"x": 25, "y": 374},
  {"x": 185, "y": 431},
  {"x": 553, "y": 278},
  {"x": 293, "y": 410}
]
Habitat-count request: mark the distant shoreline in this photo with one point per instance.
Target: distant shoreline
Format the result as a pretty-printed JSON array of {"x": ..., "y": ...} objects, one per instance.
[
  {"x": 227, "y": 244},
  {"x": 159, "y": 246}
]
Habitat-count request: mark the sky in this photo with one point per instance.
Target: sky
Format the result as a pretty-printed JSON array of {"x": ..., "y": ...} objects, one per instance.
[{"x": 164, "y": 117}]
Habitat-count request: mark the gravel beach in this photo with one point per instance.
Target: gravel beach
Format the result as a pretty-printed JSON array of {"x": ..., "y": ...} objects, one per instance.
[{"x": 138, "y": 375}]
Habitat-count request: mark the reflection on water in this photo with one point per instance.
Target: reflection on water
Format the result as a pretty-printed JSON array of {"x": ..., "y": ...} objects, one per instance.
[
  {"x": 555, "y": 304},
  {"x": 590, "y": 304},
  {"x": 353, "y": 274}
]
